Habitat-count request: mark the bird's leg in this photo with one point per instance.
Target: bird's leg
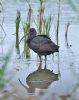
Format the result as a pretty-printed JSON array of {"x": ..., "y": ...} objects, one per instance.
[
  {"x": 40, "y": 59},
  {"x": 45, "y": 61},
  {"x": 40, "y": 66}
]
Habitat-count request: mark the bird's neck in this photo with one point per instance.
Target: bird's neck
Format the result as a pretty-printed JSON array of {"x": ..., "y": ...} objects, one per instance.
[
  {"x": 31, "y": 36},
  {"x": 29, "y": 39}
]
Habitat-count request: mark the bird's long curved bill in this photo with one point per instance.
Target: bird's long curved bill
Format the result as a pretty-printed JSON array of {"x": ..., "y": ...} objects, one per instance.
[{"x": 22, "y": 38}]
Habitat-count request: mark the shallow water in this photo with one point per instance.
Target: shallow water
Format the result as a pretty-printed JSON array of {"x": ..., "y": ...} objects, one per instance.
[{"x": 30, "y": 80}]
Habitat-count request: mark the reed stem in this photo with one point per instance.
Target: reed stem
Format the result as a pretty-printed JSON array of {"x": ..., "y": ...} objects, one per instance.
[
  {"x": 66, "y": 34},
  {"x": 47, "y": 23},
  {"x": 58, "y": 22},
  {"x": 40, "y": 17},
  {"x": 26, "y": 28},
  {"x": 18, "y": 18}
]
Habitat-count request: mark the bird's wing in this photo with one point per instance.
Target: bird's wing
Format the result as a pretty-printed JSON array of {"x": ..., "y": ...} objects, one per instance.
[
  {"x": 41, "y": 39},
  {"x": 41, "y": 43},
  {"x": 45, "y": 47},
  {"x": 34, "y": 46}
]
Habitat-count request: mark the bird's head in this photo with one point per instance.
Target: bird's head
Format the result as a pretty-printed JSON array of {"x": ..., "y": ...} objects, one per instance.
[{"x": 32, "y": 33}]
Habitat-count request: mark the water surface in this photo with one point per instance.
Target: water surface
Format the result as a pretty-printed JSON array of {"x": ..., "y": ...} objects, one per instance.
[{"x": 60, "y": 79}]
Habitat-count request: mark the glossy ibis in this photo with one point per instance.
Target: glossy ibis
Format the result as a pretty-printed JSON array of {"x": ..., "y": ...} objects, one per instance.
[{"x": 41, "y": 44}]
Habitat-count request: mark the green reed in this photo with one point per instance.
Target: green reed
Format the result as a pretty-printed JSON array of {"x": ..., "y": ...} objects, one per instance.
[
  {"x": 40, "y": 16},
  {"x": 44, "y": 24},
  {"x": 26, "y": 28},
  {"x": 26, "y": 48},
  {"x": 58, "y": 22},
  {"x": 47, "y": 23},
  {"x": 18, "y": 19}
]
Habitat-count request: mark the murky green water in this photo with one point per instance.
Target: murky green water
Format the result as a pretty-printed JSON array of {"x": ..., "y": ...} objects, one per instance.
[{"x": 30, "y": 80}]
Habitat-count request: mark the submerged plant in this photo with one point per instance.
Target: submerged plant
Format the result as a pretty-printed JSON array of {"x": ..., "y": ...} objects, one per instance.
[{"x": 18, "y": 18}]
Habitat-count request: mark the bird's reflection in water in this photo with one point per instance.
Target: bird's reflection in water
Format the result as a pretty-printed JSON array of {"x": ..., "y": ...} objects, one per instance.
[{"x": 41, "y": 78}]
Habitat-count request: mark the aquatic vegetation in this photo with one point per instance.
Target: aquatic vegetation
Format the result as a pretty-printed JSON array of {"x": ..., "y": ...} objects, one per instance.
[
  {"x": 1, "y": 6},
  {"x": 18, "y": 19},
  {"x": 43, "y": 24},
  {"x": 40, "y": 16},
  {"x": 47, "y": 23},
  {"x": 66, "y": 34},
  {"x": 26, "y": 28},
  {"x": 3, "y": 68},
  {"x": 2, "y": 38},
  {"x": 58, "y": 22},
  {"x": 1, "y": 24},
  {"x": 26, "y": 48}
]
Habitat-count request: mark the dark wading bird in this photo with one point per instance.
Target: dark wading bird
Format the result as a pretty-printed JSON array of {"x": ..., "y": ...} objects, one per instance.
[{"x": 41, "y": 44}]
